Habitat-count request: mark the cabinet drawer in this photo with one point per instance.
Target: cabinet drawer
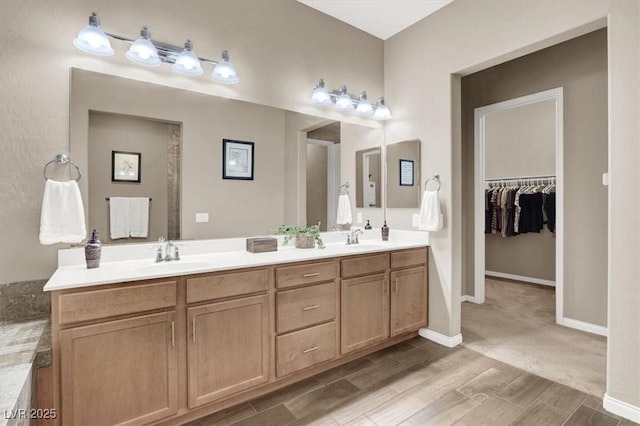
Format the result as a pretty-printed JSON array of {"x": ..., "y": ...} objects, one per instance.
[
  {"x": 290, "y": 276},
  {"x": 403, "y": 259},
  {"x": 364, "y": 265},
  {"x": 304, "y": 348},
  {"x": 111, "y": 302},
  {"x": 227, "y": 285},
  {"x": 303, "y": 307}
]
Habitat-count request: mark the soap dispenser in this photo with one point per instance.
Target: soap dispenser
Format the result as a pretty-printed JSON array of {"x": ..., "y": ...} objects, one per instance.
[
  {"x": 385, "y": 232},
  {"x": 93, "y": 251},
  {"x": 368, "y": 225}
]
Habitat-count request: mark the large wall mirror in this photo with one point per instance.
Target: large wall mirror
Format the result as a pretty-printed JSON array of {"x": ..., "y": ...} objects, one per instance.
[
  {"x": 178, "y": 137},
  {"x": 403, "y": 174}
]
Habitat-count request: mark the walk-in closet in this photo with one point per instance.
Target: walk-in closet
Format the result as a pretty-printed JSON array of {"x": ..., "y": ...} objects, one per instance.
[{"x": 535, "y": 196}]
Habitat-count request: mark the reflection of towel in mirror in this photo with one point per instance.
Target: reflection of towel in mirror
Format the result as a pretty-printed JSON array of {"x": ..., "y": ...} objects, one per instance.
[
  {"x": 129, "y": 217},
  {"x": 139, "y": 217},
  {"x": 430, "y": 216},
  {"x": 62, "y": 216},
  {"x": 343, "y": 216}
]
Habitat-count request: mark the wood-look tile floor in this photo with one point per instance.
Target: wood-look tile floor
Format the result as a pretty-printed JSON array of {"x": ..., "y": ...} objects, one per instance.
[{"x": 421, "y": 383}]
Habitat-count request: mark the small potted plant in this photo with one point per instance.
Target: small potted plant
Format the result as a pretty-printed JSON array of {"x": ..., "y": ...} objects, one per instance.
[{"x": 306, "y": 236}]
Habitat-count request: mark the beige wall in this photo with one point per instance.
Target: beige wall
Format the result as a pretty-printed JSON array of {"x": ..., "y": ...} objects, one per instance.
[
  {"x": 423, "y": 65},
  {"x": 580, "y": 67},
  {"x": 317, "y": 185},
  {"x": 519, "y": 141},
  {"x": 113, "y": 132},
  {"x": 280, "y": 49}
]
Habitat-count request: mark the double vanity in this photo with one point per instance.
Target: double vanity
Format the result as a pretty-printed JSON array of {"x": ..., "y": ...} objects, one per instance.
[{"x": 138, "y": 342}]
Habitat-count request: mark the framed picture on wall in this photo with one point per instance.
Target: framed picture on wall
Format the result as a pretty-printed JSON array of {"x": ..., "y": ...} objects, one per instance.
[
  {"x": 237, "y": 159},
  {"x": 406, "y": 172},
  {"x": 125, "y": 166}
]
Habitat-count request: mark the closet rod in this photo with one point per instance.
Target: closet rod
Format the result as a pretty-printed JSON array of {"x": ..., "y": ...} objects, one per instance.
[{"x": 521, "y": 178}]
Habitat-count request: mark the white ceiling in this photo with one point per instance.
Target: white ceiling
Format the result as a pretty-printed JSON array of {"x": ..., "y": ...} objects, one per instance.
[{"x": 381, "y": 18}]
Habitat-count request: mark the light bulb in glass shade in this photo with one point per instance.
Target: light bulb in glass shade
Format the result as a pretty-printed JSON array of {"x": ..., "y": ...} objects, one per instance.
[
  {"x": 364, "y": 107},
  {"x": 187, "y": 62},
  {"x": 344, "y": 101},
  {"x": 320, "y": 95},
  {"x": 142, "y": 51},
  {"x": 92, "y": 39},
  {"x": 224, "y": 72},
  {"x": 382, "y": 111}
]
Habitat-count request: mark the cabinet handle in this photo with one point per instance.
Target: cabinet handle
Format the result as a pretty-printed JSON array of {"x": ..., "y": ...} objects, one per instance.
[
  {"x": 386, "y": 286},
  {"x": 315, "y": 274},
  {"x": 315, "y": 348},
  {"x": 308, "y": 308},
  {"x": 193, "y": 329},
  {"x": 395, "y": 290},
  {"x": 173, "y": 334}
]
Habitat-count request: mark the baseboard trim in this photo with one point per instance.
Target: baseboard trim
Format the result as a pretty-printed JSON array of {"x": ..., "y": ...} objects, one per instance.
[
  {"x": 531, "y": 280},
  {"x": 441, "y": 339},
  {"x": 621, "y": 408},
  {"x": 468, "y": 298},
  {"x": 585, "y": 326}
]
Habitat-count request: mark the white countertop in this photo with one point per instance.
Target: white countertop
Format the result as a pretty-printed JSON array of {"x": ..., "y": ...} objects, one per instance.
[{"x": 132, "y": 262}]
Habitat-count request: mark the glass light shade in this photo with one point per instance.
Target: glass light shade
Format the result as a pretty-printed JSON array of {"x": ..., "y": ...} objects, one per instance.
[
  {"x": 344, "y": 102},
  {"x": 92, "y": 39},
  {"x": 224, "y": 72},
  {"x": 382, "y": 111},
  {"x": 187, "y": 62},
  {"x": 143, "y": 52},
  {"x": 320, "y": 95},
  {"x": 364, "y": 107}
]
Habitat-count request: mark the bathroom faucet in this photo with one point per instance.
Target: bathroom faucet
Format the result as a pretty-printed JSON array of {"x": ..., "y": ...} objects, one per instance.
[
  {"x": 168, "y": 256},
  {"x": 353, "y": 237}
]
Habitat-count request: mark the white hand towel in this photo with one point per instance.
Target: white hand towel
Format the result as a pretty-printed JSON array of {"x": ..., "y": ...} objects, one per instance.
[
  {"x": 430, "y": 216},
  {"x": 119, "y": 217},
  {"x": 343, "y": 216},
  {"x": 62, "y": 215},
  {"x": 139, "y": 217}
]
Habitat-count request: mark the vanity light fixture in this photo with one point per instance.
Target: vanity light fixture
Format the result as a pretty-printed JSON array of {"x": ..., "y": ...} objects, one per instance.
[
  {"x": 343, "y": 101},
  {"x": 145, "y": 51}
]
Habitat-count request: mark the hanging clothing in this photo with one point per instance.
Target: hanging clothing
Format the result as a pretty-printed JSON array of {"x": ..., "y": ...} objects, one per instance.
[{"x": 514, "y": 210}]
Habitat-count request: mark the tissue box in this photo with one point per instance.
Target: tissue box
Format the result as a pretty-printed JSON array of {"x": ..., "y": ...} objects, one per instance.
[{"x": 260, "y": 245}]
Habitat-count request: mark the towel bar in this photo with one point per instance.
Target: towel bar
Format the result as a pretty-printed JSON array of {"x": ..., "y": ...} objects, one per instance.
[{"x": 109, "y": 198}]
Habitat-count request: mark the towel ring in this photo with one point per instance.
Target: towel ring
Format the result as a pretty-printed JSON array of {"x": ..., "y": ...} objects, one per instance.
[
  {"x": 62, "y": 159},
  {"x": 435, "y": 178}
]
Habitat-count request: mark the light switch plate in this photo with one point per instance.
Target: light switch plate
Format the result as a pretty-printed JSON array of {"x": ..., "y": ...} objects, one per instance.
[
  {"x": 359, "y": 217},
  {"x": 605, "y": 179},
  {"x": 202, "y": 217},
  {"x": 415, "y": 220}
]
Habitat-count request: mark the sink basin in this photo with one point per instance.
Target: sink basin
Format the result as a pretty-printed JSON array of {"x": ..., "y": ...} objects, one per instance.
[
  {"x": 362, "y": 245},
  {"x": 172, "y": 266}
]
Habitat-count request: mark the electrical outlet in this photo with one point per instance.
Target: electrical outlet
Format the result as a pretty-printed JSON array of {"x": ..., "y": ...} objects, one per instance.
[
  {"x": 202, "y": 217},
  {"x": 415, "y": 220},
  {"x": 359, "y": 217}
]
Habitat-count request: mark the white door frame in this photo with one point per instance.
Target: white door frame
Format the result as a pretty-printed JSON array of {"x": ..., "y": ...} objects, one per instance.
[{"x": 479, "y": 202}]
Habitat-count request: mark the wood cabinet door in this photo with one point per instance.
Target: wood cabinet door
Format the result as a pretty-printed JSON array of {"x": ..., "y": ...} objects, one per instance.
[
  {"x": 408, "y": 300},
  {"x": 120, "y": 372},
  {"x": 228, "y": 348},
  {"x": 364, "y": 312}
]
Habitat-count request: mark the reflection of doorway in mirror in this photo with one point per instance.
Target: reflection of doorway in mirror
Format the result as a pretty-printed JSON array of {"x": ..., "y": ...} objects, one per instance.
[
  {"x": 323, "y": 174},
  {"x": 370, "y": 177}
]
